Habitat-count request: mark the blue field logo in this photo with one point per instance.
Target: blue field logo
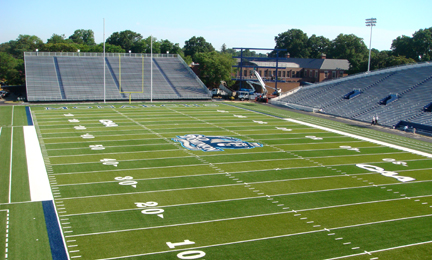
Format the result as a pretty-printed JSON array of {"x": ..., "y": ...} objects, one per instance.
[{"x": 204, "y": 143}]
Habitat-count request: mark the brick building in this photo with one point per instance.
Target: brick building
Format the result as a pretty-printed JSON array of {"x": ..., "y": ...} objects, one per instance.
[{"x": 292, "y": 71}]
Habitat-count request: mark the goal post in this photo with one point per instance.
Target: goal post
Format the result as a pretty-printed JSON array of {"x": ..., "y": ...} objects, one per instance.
[{"x": 142, "y": 80}]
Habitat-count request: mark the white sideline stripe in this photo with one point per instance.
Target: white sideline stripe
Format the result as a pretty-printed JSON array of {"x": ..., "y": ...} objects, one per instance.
[
  {"x": 40, "y": 189},
  {"x": 361, "y": 138}
]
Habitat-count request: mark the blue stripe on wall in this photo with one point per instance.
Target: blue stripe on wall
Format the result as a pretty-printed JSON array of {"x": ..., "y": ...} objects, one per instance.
[
  {"x": 58, "y": 250},
  {"x": 29, "y": 116}
]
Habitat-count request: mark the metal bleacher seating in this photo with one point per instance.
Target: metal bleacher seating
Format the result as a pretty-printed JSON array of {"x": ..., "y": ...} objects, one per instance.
[
  {"x": 80, "y": 76},
  {"x": 412, "y": 84}
]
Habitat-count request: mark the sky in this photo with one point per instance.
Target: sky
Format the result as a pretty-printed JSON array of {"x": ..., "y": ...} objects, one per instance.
[{"x": 236, "y": 23}]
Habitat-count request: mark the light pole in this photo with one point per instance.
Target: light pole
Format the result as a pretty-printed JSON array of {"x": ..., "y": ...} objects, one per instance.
[{"x": 370, "y": 22}]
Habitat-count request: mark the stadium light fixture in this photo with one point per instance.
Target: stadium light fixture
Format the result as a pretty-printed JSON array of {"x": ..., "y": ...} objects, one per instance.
[{"x": 371, "y": 22}]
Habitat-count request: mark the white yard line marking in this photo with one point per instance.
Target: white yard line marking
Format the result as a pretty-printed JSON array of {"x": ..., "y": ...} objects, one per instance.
[
  {"x": 380, "y": 250},
  {"x": 10, "y": 166},
  {"x": 362, "y": 138},
  {"x": 273, "y": 237}
]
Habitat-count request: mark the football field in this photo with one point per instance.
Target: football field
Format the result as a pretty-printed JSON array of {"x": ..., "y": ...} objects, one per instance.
[{"x": 231, "y": 181}]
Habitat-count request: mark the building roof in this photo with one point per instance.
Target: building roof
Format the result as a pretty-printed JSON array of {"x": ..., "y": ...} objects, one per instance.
[{"x": 321, "y": 64}]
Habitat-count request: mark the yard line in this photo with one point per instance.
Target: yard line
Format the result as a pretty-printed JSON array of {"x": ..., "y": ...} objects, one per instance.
[
  {"x": 182, "y": 224},
  {"x": 267, "y": 238},
  {"x": 144, "y": 168},
  {"x": 198, "y": 175},
  {"x": 247, "y": 198},
  {"x": 127, "y": 160},
  {"x": 236, "y": 184},
  {"x": 117, "y": 140},
  {"x": 380, "y": 250},
  {"x": 362, "y": 138},
  {"x": 112, "y": 146},
  {"x": 65, "y": 137},
  {"x": 10, "y": 165},
  {"x": 102, "y": 153}
]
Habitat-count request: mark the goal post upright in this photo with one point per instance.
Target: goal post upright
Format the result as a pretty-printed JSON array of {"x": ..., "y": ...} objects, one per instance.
[{"x": 142, "y": 80}]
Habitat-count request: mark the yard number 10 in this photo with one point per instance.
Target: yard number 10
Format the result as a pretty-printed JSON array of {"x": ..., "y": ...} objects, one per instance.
[{"x": 190, "y": 254}]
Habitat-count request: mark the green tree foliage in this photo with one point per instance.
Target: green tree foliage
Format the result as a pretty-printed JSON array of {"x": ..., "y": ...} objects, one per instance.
[
  {"x": 214, "y": 67},
  {"x": 352, "y": 48},
  {"x": 83, "y": 37},
  {"x": 196, "y": 45},
  {"x": 403, "y": 46},
  {"x": 24, "y": 43},
  {"x": 385, "y": 59},
  {"x": 295, "y": 41},
  {"x": 125, "y": 39},
  {"x": 109, "y": 48},
  {"x": 60, "y": 47},
  {"x": 418, "y": 47},
  {"x": 56, "y": 38},
  {"x": 422, "y": 41},
  {"x": 11, "y": 69},
  {"x": 317, "y": 46}
]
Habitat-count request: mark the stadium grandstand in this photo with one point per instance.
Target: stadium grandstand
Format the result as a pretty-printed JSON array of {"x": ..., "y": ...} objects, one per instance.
[
  {"x": 400, "y": 97},
  {"x": 80, "y": 77}
]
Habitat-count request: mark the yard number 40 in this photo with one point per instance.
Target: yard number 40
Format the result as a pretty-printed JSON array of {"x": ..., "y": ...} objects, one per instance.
[{"x": 190, "y": 254}]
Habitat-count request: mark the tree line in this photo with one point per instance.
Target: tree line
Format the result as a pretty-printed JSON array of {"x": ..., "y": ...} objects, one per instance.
[
  {"x": 404, "y": 49},
  {"x": 217, "y": 65}
]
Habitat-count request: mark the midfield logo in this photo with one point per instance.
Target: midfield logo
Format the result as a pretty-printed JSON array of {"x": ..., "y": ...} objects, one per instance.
[{"x": 204, "y": 143}]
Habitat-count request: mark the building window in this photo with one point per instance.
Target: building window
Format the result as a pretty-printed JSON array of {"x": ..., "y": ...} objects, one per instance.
[
  {"x": 340, "y": 73},
  {"x": 333, "y": 74},
  {"x": 245, "y": 73},
  {"x": 316, "y": 74},
  {"x": 260, "y": 73},
  {"x": 284, "y": 74},
  {"x": 325, "y": 74},
  {"x": 279, "y": 74}
]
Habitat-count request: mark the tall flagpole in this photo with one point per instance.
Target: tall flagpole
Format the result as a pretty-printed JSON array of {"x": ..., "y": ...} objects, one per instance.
[
  {"x": 104, "y": 58},
  {"x": 151, "y": 68}
]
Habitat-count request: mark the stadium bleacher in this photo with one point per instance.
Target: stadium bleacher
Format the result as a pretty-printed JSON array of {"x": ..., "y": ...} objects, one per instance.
[
  {"x": 409, "y": 86},
  {"x": 80, "y": 77}
]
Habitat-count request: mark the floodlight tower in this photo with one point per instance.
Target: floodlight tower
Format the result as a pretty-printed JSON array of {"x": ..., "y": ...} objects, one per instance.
[{"x": 370, "y": 22}]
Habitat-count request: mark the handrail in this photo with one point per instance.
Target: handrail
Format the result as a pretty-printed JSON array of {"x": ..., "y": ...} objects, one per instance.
[{"x": 99, "y": 54}]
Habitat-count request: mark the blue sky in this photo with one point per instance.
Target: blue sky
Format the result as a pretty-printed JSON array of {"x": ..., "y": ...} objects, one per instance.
[{"x": 237, "y": 23}]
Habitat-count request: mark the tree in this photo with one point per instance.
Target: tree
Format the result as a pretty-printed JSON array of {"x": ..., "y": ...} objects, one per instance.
[
  {"x": 125, "y": 39},
  {"x": 403, "y": 46},
  {"x": 352, "y": 48},
  {"x": 196, "y": 45},
  {"x": 24, "y": 43},
  {"x": 422, "y": 41},
  {"x": 317, "y": 46},
  {"x": 214, "y": 67},
  {"x": 11, "y": 69},
  {"x": 418, "y": 47},
  {"x": 108, "y": 48},
  {"x": 64, "y": 47},
  {"x": 56, "y": 38},
  {"x": 83, "y": 37},
  {"x": 224, "y": 48},
  {"x": 295, "y": 41}
]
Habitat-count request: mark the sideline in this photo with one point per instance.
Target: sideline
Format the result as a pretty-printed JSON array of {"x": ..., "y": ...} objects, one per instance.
[{"x": 40, "y": 189}]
